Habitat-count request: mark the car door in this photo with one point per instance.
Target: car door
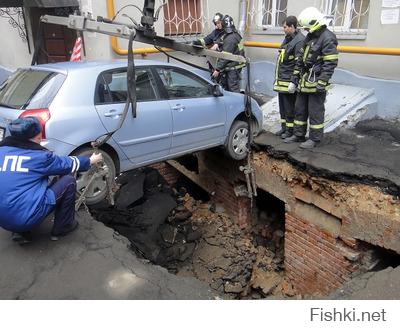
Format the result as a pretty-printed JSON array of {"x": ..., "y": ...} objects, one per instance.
[
  {"x": 198, "y": 117},
  {"x": 147, "y": 137}
]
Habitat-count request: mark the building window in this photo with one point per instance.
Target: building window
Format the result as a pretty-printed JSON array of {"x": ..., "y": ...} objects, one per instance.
[
  {"x": 347, "y": 14},
  {"x": 267, "y": 14},
  {"x": 183, "y": 18}
]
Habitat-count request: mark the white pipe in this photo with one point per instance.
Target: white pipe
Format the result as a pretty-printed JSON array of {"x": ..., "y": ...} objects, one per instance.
[{"x": 242, "y": 17}]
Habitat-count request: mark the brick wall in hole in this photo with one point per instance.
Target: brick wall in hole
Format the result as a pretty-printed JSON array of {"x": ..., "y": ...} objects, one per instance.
[
  {"x": 314, "y": 259},
  {"x": 168, "y": 172},
  {"x": 237, "y": 207}
]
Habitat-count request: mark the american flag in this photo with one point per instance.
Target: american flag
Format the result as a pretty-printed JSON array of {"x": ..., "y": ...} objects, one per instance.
[{"x": 77, "y": 51}]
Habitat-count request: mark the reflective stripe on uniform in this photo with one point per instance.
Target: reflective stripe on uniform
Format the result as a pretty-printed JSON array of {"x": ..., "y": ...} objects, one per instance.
[
  {"x": 317, "y": 126},
  {"x": 308, "y": 90},
  {"x": 282, "y": 83},
  {"x": 331, "y": 57},
  {"x": 306, "y": 51},
  {"x": 289, "y": 125},
  {"x": 300, "y": 123},
  {"x": 282, "y": 55},
  {"x": 283, "y": 121},
  {"x": 323, "y": 83},
  {"x": 278, "y": 88},
  {"x": 309, "y": 84}
]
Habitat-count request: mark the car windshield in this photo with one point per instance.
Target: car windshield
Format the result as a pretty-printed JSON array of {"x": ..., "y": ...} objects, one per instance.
[{"x": 33, "y": 88}]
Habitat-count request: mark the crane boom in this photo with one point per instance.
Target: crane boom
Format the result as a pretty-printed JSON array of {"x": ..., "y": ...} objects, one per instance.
[{"x": 144, "y": 34}]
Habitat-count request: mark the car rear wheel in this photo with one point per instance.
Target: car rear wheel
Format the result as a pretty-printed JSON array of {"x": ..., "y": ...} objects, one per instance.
[
  {"x": 97, "y": 191},
  {"x": 237, "y": 144}
]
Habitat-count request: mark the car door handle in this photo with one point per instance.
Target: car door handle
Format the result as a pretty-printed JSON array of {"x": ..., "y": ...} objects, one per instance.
[
  {"x": 179, "y": 107},
  {"x": 112, "y": 113}
]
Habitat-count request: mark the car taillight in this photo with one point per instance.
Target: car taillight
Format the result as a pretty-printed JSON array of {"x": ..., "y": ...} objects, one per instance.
[{"x": 43, "y": 115}]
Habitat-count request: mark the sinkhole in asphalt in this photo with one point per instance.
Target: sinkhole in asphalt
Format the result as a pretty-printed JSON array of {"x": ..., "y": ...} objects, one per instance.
[{"x": 181, "y": 228}]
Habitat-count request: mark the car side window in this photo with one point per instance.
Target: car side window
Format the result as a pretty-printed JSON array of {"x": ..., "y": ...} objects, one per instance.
[
  {"x": 180, "y": 84},
  {"x": 112, "y": 86}
]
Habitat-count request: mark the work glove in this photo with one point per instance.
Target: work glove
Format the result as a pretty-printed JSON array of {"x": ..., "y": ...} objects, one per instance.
[
  {"x": 292, "y": 88},
  {"x": 96, "y": 158}
]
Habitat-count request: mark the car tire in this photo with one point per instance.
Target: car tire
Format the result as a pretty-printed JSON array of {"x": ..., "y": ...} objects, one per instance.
[
  {"x": 237, "y": 144},
  {"x": 97, "y": 193}
]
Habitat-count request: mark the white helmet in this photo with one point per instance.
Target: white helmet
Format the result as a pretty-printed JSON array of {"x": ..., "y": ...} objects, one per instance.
[{"x": 312, "y": 19}]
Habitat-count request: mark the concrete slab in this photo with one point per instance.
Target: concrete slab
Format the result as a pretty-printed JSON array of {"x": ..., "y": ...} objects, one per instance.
[
  {"x": 368, "y": 154},
  {"x": 91, "y": 263},
  {"x": 345, "y": 106}
]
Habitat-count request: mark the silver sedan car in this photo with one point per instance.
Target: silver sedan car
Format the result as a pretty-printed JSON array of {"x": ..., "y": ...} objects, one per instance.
[{"x": 178, "y": 112}]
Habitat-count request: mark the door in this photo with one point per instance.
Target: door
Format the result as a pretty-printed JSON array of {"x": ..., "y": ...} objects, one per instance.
[
  {"x": 198, "y": 117},
  {"x": 148, "y": 136},
  {"x": 57, "y": 41}
]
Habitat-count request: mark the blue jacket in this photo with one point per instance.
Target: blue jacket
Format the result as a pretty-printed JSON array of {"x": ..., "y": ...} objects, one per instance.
[{"x": 25, "y": 167}]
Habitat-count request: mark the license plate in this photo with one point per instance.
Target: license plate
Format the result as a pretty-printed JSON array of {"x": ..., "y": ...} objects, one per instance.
[{"x": 2, "y": 131}]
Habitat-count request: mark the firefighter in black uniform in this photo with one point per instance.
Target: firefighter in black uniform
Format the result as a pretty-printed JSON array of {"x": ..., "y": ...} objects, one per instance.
[
  {"x": 315, "y": 65},
  {"x": 228, "y": 72},
  {"x": 211, "y": 40},
  {"x": 285, "y": 65}
]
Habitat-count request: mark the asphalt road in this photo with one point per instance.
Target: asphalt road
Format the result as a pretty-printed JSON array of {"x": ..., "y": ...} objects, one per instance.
[{"x": 90, "y": 263}]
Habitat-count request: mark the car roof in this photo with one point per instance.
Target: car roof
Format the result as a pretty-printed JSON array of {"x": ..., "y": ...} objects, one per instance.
[{"x": 65, "y": 67}]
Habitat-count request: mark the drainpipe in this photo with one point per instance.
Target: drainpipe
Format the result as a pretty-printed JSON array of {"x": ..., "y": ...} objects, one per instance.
[
  {"x": 341, "y": 49},
  {"x": 114, "y": 41},
  {"x": 242, "y": 16}
]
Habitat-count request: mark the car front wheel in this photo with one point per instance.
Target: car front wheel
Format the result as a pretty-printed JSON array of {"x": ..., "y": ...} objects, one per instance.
[
  {"x": 237, "y": 144},
  {"x": 97, "y": 191}
]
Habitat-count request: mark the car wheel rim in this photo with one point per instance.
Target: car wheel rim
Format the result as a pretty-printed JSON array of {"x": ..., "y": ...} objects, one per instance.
[
  {"x": 240, "y": 140},
  {"x": 97, "y": 186}
]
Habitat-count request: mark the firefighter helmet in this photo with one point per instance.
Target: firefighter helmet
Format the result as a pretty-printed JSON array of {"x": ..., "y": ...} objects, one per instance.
[
  {"x": 311, "y": 19},
  {"x": 227, "y": 24},
  {"x": 217, "y": 18}
]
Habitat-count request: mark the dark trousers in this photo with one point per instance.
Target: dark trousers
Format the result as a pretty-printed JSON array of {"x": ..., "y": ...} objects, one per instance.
[
  {"x": 286, "y": 109},
  {"x": 310, "y": 106},
  {"x": 230, "y": 80},
  {"x": 64, "y": 190}
]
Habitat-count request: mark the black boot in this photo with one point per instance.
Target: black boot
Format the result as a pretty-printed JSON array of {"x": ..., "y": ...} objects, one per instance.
[
  {"x": 294, "y": 138},
  {"x": 22, "y": 238},
  {"x": 287, "y": 134}
]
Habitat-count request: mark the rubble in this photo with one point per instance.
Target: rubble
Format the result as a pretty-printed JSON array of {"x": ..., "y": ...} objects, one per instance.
[{"x": 194, "y": 238}]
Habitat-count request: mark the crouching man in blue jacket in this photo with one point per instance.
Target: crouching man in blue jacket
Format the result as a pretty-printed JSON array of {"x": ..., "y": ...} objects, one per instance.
[{"x": 25, "y": 195}]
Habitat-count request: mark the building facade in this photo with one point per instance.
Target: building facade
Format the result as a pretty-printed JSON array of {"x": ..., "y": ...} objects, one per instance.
[{"x": 362, "y": 23}]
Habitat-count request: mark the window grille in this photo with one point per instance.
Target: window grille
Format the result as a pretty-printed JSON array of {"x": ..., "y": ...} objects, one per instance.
[
  {"x": 347, "y": 14},
  {"x": 265, "y": 14},
  {"x": 183, "y": 18}
]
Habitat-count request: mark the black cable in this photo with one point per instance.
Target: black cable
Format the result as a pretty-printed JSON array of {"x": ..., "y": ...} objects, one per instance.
[
  {"x": 130, "y": 5},
  {"x": 248, "y": 105},
  {"x": 131, "y": 93},
  {"x": 131, "y": 79}
]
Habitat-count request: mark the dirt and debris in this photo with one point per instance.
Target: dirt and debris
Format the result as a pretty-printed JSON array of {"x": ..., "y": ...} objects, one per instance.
[
  {"x": 368, "y": 154},
  {"x": 195, "y": 238}
]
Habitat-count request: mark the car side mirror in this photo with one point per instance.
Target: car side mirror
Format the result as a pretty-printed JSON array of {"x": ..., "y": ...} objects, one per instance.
[{"x": 217, "y": 90}]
